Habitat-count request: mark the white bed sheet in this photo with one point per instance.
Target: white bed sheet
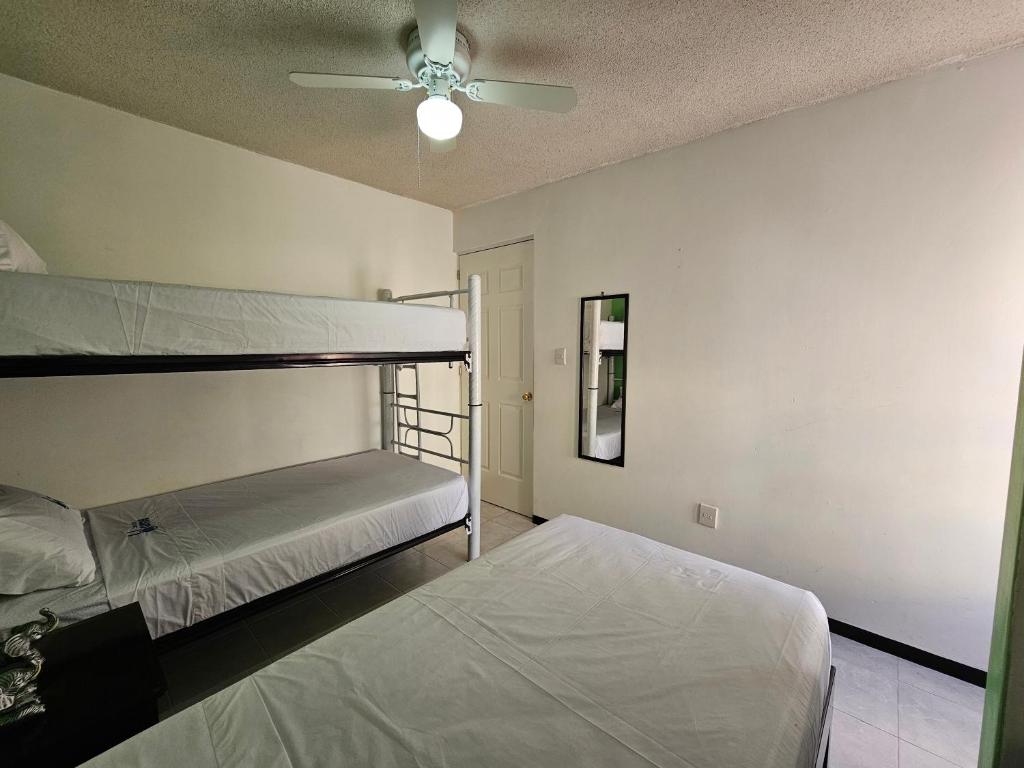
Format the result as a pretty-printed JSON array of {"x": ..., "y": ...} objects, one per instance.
[
  {"x": 56, "y": 315},
  {"x": 221, "y": 545},
  {"x": 612, "y": 334},
  {"x": 71, "y": 604},
  {"x": 575, "y": 644},
  {"x": 609, "y": 433}
]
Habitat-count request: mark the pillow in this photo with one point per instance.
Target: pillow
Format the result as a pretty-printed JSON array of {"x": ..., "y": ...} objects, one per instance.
[
  {"x": 42, "y": 544},
  {"x": 16, "y": 255}
]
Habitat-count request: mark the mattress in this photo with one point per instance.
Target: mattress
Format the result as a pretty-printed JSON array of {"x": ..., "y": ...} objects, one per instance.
[
  {"x": 611, "y": 335},
  {"x": 574, "y": 644},
  {"x": 609, "y": 433},
  {"x": 189, "y": 555},
  {"x": 55, "y": 315}
]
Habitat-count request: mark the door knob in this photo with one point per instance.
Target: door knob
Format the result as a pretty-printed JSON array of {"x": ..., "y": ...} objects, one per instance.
[{"x": 527, "y": 396}]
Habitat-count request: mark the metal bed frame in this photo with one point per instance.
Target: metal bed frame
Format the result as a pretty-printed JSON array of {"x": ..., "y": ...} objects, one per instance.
[{"x": 394, "y": 419}]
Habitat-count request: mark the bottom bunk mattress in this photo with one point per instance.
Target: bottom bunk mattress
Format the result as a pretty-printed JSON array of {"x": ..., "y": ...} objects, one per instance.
[
  {"x": 608, "y": 444},
  {"x": 575, "y": 644},
  {"x": 188, "y": 555}
]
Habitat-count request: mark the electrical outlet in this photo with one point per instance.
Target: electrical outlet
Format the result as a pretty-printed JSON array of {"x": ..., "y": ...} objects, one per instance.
[
  {"x": 707, "y": 515},
  {"x": 560, "y": 357}
]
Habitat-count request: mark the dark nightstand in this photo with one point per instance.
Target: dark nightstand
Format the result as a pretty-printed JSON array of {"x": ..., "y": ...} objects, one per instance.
[{"x": 100, "y": 684}]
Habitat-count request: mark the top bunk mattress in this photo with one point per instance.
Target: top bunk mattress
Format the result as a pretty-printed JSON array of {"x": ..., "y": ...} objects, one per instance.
[
  {"x": 55, "y": 315},
  {"x": 611, "y": 335},
  {"x": 574, "y": 644}
]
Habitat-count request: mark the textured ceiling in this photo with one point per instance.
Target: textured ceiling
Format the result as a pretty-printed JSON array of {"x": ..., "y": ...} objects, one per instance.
[{"x": 649, "y": 74}]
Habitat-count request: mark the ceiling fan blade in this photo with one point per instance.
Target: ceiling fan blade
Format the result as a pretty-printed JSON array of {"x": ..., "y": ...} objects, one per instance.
[
  {"x": 550, "y": 98},
  {"x": 441, "y": 147},
  {"x": 323, "y": 80},
  {"x": 436, "y": 22}
]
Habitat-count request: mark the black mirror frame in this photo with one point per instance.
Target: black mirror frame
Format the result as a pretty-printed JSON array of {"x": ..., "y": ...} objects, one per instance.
[{"x": 621, "y": 460}]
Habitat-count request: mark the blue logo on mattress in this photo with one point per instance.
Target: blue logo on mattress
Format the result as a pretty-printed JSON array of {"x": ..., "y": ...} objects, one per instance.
[{"x": 142, "y": 525}]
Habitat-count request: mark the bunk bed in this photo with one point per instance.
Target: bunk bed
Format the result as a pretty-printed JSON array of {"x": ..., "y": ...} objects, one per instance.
[
  {"x": 198, "y": 557},
  {"x": 573, "y": 644}
]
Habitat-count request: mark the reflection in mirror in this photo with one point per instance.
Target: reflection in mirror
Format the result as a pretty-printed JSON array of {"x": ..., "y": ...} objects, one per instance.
[{"x": 602, "y": 402}]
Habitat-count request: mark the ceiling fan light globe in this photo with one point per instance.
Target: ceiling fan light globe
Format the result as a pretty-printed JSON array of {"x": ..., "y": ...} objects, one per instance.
[{"x": 439, "y": 117}]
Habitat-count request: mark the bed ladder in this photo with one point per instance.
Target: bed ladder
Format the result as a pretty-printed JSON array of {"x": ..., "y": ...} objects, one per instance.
[{"x": 403, "y": 416}]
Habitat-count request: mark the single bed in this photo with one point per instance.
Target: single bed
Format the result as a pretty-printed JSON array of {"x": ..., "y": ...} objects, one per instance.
[
  {"x": 189, "y": 555},
  {"x": 45, "y": 315},
  {"x": 575, "y": 644}
]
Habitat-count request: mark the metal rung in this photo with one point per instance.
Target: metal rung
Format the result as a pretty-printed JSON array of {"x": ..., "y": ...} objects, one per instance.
[
  {"x": 428, "y": 410},
  {"x": 432, "y": 453},
  {"x": 417, "y": 428},
  {"x": 430, "y": 295}
]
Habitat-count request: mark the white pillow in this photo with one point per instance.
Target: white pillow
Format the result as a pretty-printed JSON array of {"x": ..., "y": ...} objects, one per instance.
[
  {"x": 16, "y": 255},
  {"x": 42, "y": 544}
]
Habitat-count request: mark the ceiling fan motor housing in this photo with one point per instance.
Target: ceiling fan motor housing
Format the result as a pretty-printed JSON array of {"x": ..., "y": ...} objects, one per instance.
[{"x": 418, "y": 60}]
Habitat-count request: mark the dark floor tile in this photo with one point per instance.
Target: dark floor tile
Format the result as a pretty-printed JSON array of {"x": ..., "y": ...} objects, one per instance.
[
  {"x": 351, "y": 597},
  {"x": 292, "y": 625},
  {"x": 411, "y": 569},
  {"x": 210, "y": 663}
]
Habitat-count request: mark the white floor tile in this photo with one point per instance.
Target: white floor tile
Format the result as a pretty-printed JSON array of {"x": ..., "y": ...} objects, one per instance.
[
  {"x": 846, "y": 652},
  {"x": 489, "y": 511},
  {"x": 868, "y": 695},
  {"x": 515, "y": 521},
  {"x": 915, "y": 757},
  {"x": 858, "y": 745},
  {"x": 942, "y": 685},
  {"x": 944, "y": 728}
]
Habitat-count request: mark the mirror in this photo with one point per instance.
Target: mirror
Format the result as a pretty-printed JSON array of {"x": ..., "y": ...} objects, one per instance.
[{"x": 602, "y": 402}]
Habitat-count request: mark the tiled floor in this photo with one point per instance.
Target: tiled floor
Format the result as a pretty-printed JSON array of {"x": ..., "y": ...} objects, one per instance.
[
  {"x": 210, "y": 663},
  {"x": 891, "y": 713}
]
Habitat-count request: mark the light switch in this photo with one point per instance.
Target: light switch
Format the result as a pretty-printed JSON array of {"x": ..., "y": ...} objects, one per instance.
[{"x": 560, "y": 358}]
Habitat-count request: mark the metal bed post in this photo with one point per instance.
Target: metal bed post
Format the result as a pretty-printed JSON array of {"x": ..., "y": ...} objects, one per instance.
[
  {"x": 387, "y": 393},
  {"x": 475, "y": 409},
  {"x": 593, "y": 381},
  {"x": 609, "y": 395}
]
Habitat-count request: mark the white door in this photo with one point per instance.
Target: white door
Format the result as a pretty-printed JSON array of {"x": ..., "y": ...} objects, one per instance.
[{"x": 506, "y": 318}]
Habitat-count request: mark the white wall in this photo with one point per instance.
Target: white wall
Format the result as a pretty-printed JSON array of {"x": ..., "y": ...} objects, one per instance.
[
  {"x": 100, "y": 193},
  {"x": 827, "y": 316}
]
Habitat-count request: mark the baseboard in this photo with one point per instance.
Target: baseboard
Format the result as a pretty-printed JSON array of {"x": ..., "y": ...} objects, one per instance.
[
  {"x": 537, "y": 519},
  {"x": 909, "y": 652}
]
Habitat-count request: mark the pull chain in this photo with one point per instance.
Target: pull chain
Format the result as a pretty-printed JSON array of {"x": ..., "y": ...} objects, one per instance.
[{"x": 419, "y": 161}]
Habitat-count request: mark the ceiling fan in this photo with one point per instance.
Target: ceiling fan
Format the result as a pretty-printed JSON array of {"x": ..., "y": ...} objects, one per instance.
[{"x": 438, "y": 57}]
